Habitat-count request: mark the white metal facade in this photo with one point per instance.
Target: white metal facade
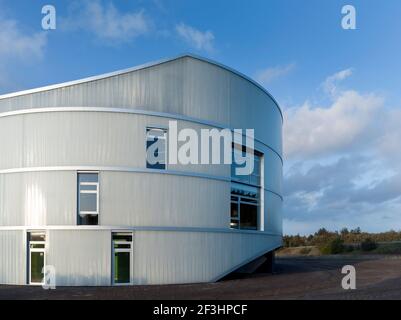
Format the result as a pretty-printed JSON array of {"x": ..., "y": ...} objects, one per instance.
[{"x": 179, "y": 217}]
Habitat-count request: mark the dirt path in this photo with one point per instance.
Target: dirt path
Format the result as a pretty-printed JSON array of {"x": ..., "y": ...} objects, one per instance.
[{"x": 378, "y": 277}]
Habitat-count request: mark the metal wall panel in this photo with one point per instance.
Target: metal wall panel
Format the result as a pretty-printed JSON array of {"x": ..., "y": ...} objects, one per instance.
[
  {"x": 186, "y": 86},
  {"x": 80, "y": 257},
  {"x": 273, "y": 213},
  {"x": 38, "y": 198},
  {"x": 86, "y": 139},
  {"x": 12, "y": 258},
  {"x": 140, "y": 199},
  {"x": 189, "y": 257}
]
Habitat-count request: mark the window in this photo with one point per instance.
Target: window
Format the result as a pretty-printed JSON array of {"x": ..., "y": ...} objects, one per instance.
[
  {"x": 88, "y": 198},
  {"x": 122, "y": 258},
  {"x": 246, "y": 193},
  {"x": 255, "y": 177},
  {"x": 245, "y": 207},
  {"x": 156, "y": 154},
  {"x": 36, "y": 257}
]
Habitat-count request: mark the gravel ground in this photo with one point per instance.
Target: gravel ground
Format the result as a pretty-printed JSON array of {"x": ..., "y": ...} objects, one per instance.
[{"x": 378, "y": 277}]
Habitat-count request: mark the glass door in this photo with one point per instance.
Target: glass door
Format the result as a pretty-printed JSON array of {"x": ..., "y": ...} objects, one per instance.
[
  {"x": 122, "y": 258},
  {"x": 37, "y": 257}
]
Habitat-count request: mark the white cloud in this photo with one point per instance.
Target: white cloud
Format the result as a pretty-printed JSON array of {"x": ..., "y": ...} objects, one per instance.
[
  {"x": 344, "y": 162},
  {"x": 389, "y": 137},
  {"x": 106, "y": 21},
  {"x": 316, "y": 131},
  {"x": 16, "y": 44},
  {"x": 331, "y": 83},
  {"x": 196, "y": 38},
  {"x": 268, "y": 75}
]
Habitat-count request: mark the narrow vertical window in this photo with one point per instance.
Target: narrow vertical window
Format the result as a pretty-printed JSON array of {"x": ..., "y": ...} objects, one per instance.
[
  {"x": 156, "y": 146},
  {"x": 122, "y": 258},
  {"x": 36, "y": 257},
  {"x": 246, "y": 193},
  {"x": 88, "y": 198}
]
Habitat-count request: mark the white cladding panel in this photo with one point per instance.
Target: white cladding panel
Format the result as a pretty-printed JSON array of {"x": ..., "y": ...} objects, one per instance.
[
  {"x": 273, "y": 217},
  {"x": 38, "y": 198},
  {"x": 86, "y": 139},
  {"x": 80, "y": 257},
  {"x": 142, "y": 199},
  {"x": 12, "y": 257},
  {"x": 194, "y": 256},
  {"x": 84, "y": 257},
  {"x": 185, "y": 86},
  {"x": 126, "y": 199}
]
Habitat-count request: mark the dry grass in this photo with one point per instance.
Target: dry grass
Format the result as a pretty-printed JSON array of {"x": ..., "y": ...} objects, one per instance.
[{"x": 310, "y": 251}]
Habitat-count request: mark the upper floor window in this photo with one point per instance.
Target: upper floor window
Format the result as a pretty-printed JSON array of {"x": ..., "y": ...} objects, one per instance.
[
  {"x": 246, "y": 206},
  {"x": 255, "y": 177},
  {"x": 88, "y": 198},
  {"x": 156, "y": 146}
]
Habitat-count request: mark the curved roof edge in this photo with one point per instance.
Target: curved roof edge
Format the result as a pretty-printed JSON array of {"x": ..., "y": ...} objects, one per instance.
[{"x": 140, "y": 67}]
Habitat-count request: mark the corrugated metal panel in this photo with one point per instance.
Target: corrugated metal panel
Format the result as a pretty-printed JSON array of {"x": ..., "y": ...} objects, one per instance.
[
  {"x": 137, "y": 199},
  {"x": 185, "y": 86},
  {"x": 80, "y": 257},
  {"x": 85, "y": 139},
  {"x": 273, "y": 213},
  {"x": 38, "y": 198},
  {"x": 12, "y": 258},
  {"x": 184, "y": 257},
  {"x": 126, "y": 199}
]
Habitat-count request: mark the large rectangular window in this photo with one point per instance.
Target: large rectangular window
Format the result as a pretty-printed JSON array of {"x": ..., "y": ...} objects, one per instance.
[
  {"x": 156, "y": 148},
  {"x": 246, "y": 192},
  {"x": 88, "y": 198}
]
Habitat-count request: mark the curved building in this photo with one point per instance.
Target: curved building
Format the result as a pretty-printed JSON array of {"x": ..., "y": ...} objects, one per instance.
[{"x": 80, "y": 199}]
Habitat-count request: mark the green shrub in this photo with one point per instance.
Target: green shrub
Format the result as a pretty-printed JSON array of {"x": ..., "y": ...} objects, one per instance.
[
  {"x": 334, "y": 246},
  {"x": 368, "y": 245},
  {"x": 389, "y": 248}
]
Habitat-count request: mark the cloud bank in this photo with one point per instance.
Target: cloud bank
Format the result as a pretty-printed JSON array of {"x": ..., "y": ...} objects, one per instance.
[{"x": 343, "y": 162}]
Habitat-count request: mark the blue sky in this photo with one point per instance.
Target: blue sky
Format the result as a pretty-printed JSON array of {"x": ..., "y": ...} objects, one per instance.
[{"x": 339, "y": 89}]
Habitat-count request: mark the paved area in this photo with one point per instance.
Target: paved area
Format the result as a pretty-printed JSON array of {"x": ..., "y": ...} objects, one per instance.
[{"x": 378, "y": 277}]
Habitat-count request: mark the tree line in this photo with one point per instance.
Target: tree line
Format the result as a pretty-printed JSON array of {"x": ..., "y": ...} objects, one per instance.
[{"x": 351, "y": 237}]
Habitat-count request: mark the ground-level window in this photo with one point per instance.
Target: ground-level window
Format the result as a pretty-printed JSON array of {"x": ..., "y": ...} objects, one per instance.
[
  {"x": 156, "y": 148},
  {"x": 88, "y": 198},
  {"x": 36, "y": 257},
  {"x": 122, "y": 258}
]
